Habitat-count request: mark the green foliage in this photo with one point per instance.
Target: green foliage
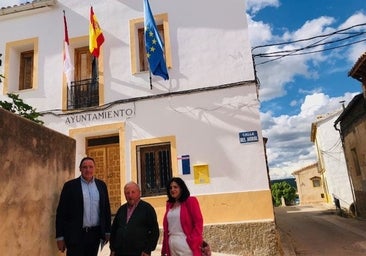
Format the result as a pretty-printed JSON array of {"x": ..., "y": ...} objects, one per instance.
[
  {"x": 285, "y": 190},
  {"x": 20, "y": 108}
]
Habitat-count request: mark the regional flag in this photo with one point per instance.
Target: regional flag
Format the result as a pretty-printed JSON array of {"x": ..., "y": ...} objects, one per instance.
[
  {"x": 68, "y": 67},
  {"x": 154, "y": 45},
  {"x": 96, "y": 38}
]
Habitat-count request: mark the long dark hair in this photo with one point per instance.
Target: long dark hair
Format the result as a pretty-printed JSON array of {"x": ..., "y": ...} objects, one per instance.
[{"x": 183, "y": 187}]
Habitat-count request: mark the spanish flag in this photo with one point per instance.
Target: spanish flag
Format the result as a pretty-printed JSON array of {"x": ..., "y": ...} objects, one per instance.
[{"x": 96, "y": 38}]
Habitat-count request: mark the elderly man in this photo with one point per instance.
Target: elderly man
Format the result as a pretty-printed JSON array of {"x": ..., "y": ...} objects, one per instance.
[{"x": 135, "y": 229}]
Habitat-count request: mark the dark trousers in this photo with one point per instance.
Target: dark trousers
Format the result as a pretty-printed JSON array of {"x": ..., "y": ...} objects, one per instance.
[{"x": 88, "y": 246}]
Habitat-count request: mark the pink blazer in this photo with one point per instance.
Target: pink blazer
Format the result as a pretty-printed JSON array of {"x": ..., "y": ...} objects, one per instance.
[{"x": 192, "y": 224}]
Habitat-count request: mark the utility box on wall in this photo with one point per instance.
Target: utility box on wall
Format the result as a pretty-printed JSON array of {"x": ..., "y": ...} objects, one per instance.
[{"x": 201, "y": 174}]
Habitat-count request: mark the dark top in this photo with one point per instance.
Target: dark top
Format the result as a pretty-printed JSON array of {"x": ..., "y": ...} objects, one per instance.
[
  {"x": 140, "y": 234},
  {"x": 70, "y": 210}
]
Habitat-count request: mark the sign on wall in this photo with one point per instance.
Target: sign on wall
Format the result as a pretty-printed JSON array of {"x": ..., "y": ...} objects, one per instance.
[{"x": 250, "y": 136}]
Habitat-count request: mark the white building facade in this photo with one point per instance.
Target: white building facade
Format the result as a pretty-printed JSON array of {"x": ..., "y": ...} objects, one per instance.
[
  {"x": 331, "y": 160},
  {"x": 202, "y": 124}
]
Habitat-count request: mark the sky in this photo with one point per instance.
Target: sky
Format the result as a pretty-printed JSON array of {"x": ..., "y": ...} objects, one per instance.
[{"x": 296, "y": 87}]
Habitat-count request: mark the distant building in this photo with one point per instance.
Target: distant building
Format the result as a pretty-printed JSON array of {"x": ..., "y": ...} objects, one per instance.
[
  {"x": 352, "y": 127},
  {"x": 310, "y": 185},
  {"x": 331, "y": 161}
]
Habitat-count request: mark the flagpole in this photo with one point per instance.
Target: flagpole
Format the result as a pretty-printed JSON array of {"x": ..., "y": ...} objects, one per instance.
[{"x": 150, "y": 79}]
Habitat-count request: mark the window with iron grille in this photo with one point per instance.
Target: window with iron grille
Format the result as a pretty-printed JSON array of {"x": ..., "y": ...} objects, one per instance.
[
  {"x": 84, "y": 90},
  {"x": 154, "y": 168}
]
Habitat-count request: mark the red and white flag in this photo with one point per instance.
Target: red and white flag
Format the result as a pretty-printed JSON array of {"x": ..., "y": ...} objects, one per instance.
[{"x": 68, "y": 67}]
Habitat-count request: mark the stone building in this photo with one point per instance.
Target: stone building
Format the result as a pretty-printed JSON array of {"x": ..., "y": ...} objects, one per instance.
[
  {"x": 310, "y": 185},
  {"x": 352, "y": 127},
  {"x": 201, "y": 124}
]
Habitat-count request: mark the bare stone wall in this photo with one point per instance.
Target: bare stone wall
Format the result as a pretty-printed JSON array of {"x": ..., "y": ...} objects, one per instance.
[
  {"x": 35, "y": 163},
  {"x": 247, "y": 239},
  {"x": 250, "y": 239}
]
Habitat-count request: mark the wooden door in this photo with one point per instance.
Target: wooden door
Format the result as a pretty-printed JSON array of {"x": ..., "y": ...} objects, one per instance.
[
  {"x": 107, "y": 160},
  {"x": 83, "y": 63}
]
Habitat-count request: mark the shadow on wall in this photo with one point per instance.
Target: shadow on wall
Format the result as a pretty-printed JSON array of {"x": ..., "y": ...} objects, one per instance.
[{"x": 35, "y": 163}]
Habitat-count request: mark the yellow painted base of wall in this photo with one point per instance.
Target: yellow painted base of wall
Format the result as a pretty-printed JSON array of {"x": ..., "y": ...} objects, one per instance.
[{"x": 227, "y": 208}]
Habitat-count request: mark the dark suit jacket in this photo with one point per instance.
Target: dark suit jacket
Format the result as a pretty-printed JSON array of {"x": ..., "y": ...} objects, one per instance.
[
  {"x": 70, "y": 210},
  {"x": 140, "y": 234}
]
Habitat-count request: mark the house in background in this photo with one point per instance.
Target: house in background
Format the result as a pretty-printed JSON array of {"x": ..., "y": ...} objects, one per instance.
[
  {"x": 331, "y": 161},
  {"x": 310, "y": 187},
  {"x": 202, "y": 124},
  {"x": 352, "y": 127}
]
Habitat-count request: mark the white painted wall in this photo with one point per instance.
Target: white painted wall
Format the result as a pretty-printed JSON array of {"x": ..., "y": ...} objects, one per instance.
[
  {"x": 209, "y": 41},
  {"x": 210, "y": 47},
  {"x": 206, "y": 126},
  {"x": 330, "y": 146}
]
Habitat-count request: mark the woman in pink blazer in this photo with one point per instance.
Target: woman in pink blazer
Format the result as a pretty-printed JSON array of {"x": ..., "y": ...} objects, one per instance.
[{"x": 182, "y": 223}]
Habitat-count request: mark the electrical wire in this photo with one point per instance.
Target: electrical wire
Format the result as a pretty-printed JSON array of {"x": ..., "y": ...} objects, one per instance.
[{"x": 276, "y": 55}]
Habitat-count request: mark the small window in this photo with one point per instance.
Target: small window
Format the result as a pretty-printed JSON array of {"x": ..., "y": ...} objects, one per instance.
[
  {"x": 137, "y": 42},
  {"x": 316, "y": 181},
  {"x": 21, "y": 59},
  {"x": 356, "y": 162},
  {"x": 142, "y": 51},
  {"x": 26, "y": 70},
  {"x": 155, "y": 168}
]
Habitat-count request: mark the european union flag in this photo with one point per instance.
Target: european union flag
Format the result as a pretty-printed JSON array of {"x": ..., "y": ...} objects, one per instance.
[{"x": 154, "y": 45}]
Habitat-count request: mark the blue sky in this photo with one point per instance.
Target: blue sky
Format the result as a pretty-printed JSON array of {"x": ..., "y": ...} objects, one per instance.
[{"x": 297, "y": 88}]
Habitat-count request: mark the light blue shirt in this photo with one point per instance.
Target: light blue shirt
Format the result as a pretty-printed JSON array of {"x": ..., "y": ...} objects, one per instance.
[{"x": 91, "y": 203}]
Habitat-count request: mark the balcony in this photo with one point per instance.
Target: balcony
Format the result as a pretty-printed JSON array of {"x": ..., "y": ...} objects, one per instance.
[{"x": 83, "y": 94}]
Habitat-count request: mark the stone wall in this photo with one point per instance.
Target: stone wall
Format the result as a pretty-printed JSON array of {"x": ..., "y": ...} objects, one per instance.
[
  {"x": 35, "y": 163},
  {"x": 250, "y": 238},
  {"x": 246, "y": 238}
]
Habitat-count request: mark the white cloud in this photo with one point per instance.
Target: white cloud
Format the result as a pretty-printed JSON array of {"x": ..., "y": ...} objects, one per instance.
[
  {"x": 264, "y": 33},
  {"x": 275, "y": 75},
  {"x": 289, "y": 147},
  {"x": 6, "y": 3},
  {"x": 253, "y": 6}
]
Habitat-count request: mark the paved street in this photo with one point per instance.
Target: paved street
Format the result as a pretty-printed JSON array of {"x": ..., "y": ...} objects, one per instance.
[
  {"x": 157, "y": 252},
  {"x": 317, "y": 230}
]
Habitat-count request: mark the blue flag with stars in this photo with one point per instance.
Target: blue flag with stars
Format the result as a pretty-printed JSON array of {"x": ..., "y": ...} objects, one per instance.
[{"x": 154, "y": 45}]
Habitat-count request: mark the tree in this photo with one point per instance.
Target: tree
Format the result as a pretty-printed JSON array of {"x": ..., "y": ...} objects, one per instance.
[
  {"x": 20, "y": 108},
  {"x": 285, "y": 190}
]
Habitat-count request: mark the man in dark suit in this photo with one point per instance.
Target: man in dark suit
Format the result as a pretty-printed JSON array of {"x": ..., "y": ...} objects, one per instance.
[
  {"x": 83, "y": 217},
  {"x": 135, "y": 229}
]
